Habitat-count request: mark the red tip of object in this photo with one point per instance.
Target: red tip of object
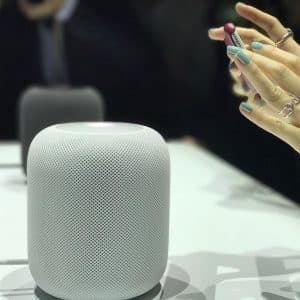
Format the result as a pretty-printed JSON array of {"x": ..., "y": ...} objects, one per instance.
[{"x": 229, "y": 28}]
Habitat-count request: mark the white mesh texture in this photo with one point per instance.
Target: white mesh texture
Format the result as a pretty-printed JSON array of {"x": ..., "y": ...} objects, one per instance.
[{"x": 98, "y": 213}]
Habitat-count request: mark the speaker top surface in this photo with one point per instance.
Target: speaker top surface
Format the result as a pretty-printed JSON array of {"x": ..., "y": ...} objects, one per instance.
[{"x": 100, "y": 128}]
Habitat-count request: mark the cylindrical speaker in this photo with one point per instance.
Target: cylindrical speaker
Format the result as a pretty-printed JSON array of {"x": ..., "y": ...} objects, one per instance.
[
  {"x": 98, "y": 210},
  {"x": 42, "y": 107}
]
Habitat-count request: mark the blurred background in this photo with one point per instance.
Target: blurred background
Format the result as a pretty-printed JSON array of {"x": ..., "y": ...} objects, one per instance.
[{"x": 153, "y": 63}]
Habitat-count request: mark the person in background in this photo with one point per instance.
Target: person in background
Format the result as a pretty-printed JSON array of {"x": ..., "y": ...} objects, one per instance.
[
  {"x": 109, "y": 48},
  {"x": 178, "y": 28},
  {"x": 51, "y": 16}
]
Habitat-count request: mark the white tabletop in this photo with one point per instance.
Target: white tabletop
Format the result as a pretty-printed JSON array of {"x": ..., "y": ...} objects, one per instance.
[
  {"x": 10, "y": 154},
  {"x": 231, "y": 238}
]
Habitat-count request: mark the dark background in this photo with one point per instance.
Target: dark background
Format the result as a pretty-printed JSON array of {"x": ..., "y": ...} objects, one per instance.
[{"x": 153, "y": 62}]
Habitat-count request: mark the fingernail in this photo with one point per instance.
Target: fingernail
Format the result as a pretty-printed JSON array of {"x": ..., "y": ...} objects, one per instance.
[
  {"x": 257, "y": 45},
  {"x": 212, "y": 29},
  {"x": 243, "y": 58},
  {"x": 233, "y": 49},
  {"x": 246, "y": 107}
]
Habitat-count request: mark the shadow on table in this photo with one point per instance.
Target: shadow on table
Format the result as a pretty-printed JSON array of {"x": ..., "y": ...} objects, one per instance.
[
  {"x": 10, "y": 166},
  {"x": 260, "y": 275},
  {"x": 15, "y": 181},
  {"x": 251, "y": 195},
  {"x": 269, "y": 296},
  {"x": 201, "y": 276}
]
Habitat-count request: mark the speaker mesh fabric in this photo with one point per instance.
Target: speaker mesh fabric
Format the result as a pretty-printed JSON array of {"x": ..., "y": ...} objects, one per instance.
[
  {"x": 42, "y": 107},
  {"x": 98, "y": 211}
]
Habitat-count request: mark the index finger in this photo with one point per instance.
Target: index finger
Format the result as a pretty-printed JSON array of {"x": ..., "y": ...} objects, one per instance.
[
  {"x": 246, "y": 34},
  {"x": 268, "y": 23}
]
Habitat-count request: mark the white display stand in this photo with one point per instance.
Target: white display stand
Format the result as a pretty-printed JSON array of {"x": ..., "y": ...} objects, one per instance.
[{"x": 231, "y": 238}]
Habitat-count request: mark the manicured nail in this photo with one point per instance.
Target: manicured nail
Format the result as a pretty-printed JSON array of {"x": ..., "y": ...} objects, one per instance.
[
  {"x": 233, "y": 49},
  {"x": 243, "y": 58},
  {"x": 246, "y": 107},
  {"x": 257, "y": 45}
]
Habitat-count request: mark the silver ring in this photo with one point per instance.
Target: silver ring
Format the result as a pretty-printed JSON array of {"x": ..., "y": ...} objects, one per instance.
[
  {"x": 289, "y": 34},
  {"x": 289, "y": 108}
]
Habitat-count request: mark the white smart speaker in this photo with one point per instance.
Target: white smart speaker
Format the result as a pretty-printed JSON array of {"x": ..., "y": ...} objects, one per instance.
[{"x": 98, "y": 210}]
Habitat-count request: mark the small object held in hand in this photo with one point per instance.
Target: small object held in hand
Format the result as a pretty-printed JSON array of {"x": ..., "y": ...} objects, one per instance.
[
  {"x": 289, "y": 34},
  {"x": 232, "y": 38},
  {"x": 289, "y": 108}
]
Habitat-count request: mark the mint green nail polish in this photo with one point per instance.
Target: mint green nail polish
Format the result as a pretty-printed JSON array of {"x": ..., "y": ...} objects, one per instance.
[
  {"x": 213, "y": 29},
  {"x": 246, "y": 107},
  {"x": 257, "y": 45},
  {"x": 233, "y": 49},
  {"x": 243, "y": 58}
]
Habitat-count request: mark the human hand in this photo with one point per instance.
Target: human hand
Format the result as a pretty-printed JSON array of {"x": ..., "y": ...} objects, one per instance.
[
  {"x": 275, "y": 74},
  {"x": 273, "y": 71},
  {"x": 269, "y": 24}
]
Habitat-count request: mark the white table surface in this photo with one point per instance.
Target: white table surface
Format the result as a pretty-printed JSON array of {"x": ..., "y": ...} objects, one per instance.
[
  {"x": 231, "y": 238},
  {"x": 10, "y": 153}
]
